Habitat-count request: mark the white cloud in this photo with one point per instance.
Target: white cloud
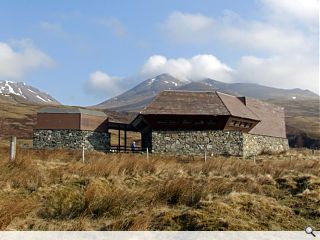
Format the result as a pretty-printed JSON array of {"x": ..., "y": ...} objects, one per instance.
[
  {"x": 185, "y": 27},
  {"x": 279, "y": 71},
  {"x": 233, "y": 30},
  {"x": 281, "y": 46},
  {"x": 114, "y": 25},
  {"x": 195, "y": 68},
  {"x": 263, "y": 37},
  {"x": 101, "y": 83},
  {"x": 302, "y": 10},
  {"x": 17, "y": 58}
]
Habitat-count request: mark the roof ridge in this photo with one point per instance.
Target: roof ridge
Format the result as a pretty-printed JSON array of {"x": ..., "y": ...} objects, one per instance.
[
  {"x": 223, "y": 102},
  {"x": 178, "y": 90},
  {"x": 246, "y": 107}
]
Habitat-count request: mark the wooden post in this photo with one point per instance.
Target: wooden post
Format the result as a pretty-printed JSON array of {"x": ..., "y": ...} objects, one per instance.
[
  {"x": 205, "y": 155},
  {"x": 290, "y": 158},
  {"x": 82, "y": 153},
  {"x": 147, "y": 154},
  {"x": 192, "y": 193},
  {"x": 13, "y": 148},
  {"x": 119, "y": 133},
  {"x": 125, "y": 139}
]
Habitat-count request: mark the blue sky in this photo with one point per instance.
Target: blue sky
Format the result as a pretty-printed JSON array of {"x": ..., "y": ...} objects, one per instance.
[{"x": 83, "y": 52}]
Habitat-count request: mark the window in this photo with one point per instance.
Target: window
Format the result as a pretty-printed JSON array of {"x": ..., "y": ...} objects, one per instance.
[
  {"x": 243, "y": 124},
  {"x": 211, "y": 122},
  {"x": 185, "y": 121},
  {"x": 173, "y": 122},
  {"x": 199, "y": 122}
]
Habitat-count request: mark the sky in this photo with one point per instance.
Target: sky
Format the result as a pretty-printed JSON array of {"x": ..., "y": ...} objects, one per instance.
[{"x": 84, "y": 52}]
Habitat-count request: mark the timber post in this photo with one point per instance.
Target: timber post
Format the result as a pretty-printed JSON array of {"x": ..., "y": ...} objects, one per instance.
[{"x": 13, "y": 148}]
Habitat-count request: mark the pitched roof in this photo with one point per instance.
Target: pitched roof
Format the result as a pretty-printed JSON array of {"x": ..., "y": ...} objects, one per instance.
[
  {"x": 272, "y": 118},
  {"x": 72, "y": 110},
  {"x": 186, "y": 103},
  {"x": 236, "y": 107},
  {"x": 198, "y": 103}
]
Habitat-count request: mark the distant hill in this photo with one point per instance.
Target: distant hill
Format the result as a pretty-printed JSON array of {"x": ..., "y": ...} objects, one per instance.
[
  {"x": 22, "y": 93},
  {"x": 302, "y": 121},
  {"x": 260, "y": 91},
  {"x": 139, "y": 96}
]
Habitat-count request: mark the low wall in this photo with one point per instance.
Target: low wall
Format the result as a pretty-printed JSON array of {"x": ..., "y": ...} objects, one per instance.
[
  {"x": 71, "y": 139},
  {"x": 257, "y": 144},
  {"x": 216, "y": 142},
  {"x": 196, "y": 142}
]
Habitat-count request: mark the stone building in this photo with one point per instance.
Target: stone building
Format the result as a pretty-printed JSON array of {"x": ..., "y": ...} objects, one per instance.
[
  {"x": 71, "y": 128},
  {"x": 185, "y": 122},
  {"x": 175, "y": 122}
]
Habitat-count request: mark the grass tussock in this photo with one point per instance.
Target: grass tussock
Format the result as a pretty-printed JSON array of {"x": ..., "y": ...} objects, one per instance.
[{"x": 55, "y": 190}]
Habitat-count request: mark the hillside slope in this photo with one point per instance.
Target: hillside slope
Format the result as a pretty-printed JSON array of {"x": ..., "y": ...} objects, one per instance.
[
  {"x": 23, "y": 93},
  {"x": 139, "y": 96}
]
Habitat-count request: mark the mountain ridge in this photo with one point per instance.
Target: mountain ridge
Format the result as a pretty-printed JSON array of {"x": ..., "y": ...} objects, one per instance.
[
  {"x": 143, "y": 93},
  {"x": 22, "y": 93}
]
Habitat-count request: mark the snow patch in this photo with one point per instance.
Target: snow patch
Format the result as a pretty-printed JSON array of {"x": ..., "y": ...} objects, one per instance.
[
  {"x": 30, "y": 90},
  {"x": 10, "y": 88},
  {"x": 151, "y": 81},
  {"x": 41, "y": 98},
  {"x": 174, "y": 83}
]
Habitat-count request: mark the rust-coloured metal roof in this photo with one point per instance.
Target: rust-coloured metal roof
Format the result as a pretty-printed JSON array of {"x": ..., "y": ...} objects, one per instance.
[
  {"x": 198, "y": 103},
  {"x": 72, "y": 110},
  {"x": 186, "y": 103},
  {"x": 236, "y": 107},
  {"x": 272, "y": 118}
]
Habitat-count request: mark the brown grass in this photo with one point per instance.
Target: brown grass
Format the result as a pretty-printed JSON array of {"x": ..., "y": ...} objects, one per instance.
[{"x": 54, "y": 190}]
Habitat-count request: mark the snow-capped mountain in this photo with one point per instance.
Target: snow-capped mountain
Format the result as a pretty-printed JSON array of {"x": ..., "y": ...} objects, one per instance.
[
  {"x": 21, "y": 92},
  {"x": 139, "y": 96}
]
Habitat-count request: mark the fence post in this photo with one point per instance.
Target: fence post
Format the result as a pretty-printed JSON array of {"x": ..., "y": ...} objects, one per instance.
[
  {"x": 254, "y": 159},
  {"x": 13, "y": 147},
  {"x": 205, "y": 156},
  {"x": 82, "y": 153},
  {"x": 147, "y": 153}
]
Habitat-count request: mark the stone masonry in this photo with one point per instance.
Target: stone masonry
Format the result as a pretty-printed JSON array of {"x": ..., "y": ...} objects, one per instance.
[
  {"x": 71, "y": 139},
  {"x": 216, "y": 142},
  {"x": 257, "y": 144}
]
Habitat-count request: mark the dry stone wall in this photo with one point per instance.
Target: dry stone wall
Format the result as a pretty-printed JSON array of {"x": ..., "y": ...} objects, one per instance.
[
  {"x": 258, "y": 144},
  {"x": 215, "y": 142},
  {"x": 196, "y": 142},
  {"x": 99, "y": 141}
]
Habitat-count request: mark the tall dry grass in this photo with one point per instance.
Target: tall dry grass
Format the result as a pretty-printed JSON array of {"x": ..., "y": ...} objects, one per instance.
[{"x": 53, "y": 189}]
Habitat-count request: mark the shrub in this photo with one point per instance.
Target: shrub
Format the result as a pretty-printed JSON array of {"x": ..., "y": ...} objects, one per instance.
[
  {"x": 180, "y": 191},
  {"x": 63, "y": 203}
]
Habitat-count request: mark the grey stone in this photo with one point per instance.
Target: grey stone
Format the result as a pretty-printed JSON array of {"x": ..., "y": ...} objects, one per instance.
[
  {"x": 221, "y": 142},
  {"x": 68, "y": 138}
]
